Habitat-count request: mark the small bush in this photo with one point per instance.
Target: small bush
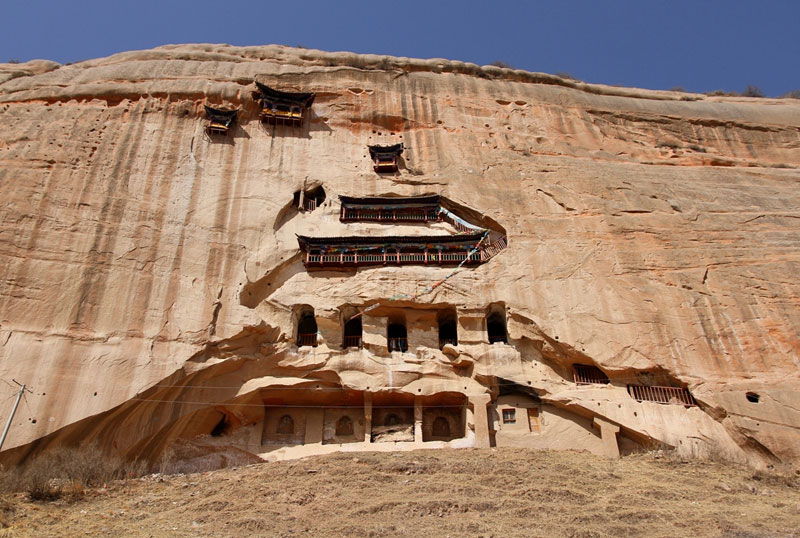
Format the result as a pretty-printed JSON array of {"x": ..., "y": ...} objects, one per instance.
[
  {"x": 678, "y": 89},
  {"x": 14, "y": 62},
  {"x": 498, "y": 63},
  {"x": 66, "y": 472},
  {"x": 794, "y": 94},
  {"x": 567, "y": 76},
  {"x": 752, "y": 91}
]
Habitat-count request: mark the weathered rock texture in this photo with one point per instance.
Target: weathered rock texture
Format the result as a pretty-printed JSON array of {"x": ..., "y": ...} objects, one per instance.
[{"x": 150, "y": 280}]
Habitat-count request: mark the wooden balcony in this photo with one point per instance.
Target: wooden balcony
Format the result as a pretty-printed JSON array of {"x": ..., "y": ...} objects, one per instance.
[
  {"x": 306, "y": 340},
  {"x": 662, "y": 395}
]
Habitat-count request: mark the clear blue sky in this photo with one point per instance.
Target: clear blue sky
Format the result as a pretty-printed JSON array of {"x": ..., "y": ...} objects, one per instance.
[{"x": 701, "y": 45}]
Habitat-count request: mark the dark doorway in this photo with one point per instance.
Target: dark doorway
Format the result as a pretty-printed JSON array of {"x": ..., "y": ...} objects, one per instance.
[
  {"x": 307, "y": 330},
  {"x": 448, "y": 332},
  {"x": 352, "y": 333},
  {"x": 496, "y": 328},
  {"x": 398, "y": 337}
]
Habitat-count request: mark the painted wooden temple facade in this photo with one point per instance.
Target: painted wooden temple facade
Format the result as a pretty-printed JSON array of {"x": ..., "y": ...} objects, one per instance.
[
  {"x": 279, "y": 107},
  {"x": 390, "y": 209},
  {"x": 384, "y": 158},
  {"x": 220, "y": 120},
  {"x": 353, "y": 251}
]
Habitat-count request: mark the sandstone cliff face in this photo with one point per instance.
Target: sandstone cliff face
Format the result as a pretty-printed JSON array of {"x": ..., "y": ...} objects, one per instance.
[{"x": 151, "y": 279}]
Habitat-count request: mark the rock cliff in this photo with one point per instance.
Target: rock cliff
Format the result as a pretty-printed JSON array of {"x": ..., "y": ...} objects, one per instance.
[{"x": 152, "y": 286}]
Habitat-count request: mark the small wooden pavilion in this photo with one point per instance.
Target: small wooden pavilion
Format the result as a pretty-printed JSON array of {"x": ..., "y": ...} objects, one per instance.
[
  {"x": 220, "y": 120},
  {"x": 279, "y": 107},
  {"x": 385, "y": 157}
]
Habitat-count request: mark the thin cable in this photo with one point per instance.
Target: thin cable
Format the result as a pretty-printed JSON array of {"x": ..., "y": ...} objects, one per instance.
[{"x": 230, "y": 404}]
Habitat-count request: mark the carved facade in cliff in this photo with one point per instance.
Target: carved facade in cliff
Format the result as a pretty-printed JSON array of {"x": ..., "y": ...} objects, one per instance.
[{"x": 627, "y": 276}]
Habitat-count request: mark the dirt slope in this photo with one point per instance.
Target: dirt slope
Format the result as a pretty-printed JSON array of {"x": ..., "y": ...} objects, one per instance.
[{"x": 502, "y": 492}]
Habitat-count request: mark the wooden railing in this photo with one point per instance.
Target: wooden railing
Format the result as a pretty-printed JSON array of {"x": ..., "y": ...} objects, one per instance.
[
  {"x": 588, "y": 375},
  {"x": 352, "y": 341},
  {"x": 394, "y": 258},
  {"x": 304, "y": 339},
  {"x": 309, "y": 204},
  {"x": 494, "y": 249},
  {"x": 664, "y": 395},
  {"x": 398, "y": 344},
  {"x": 389, "y": 215}
]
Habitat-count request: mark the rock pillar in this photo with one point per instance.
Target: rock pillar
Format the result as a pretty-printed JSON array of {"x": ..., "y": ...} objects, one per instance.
[
  {"x": 367, "y": 417},
  {"x": 608, "y": 433},
  {"x": 418, "y": 420},
  {"x": 481, "y": 418}
]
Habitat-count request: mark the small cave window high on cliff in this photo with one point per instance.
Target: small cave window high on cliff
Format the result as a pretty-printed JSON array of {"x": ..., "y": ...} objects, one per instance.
[
  {"x": 306, "y": 328},
  {"x": 309, "y": 200},
  {"x": 448, "y": 331},
  {"x": 385, "y": 158},
  {"x": 219, "y": 120},
  {"x": 584, "y": 374},
  {"x": 496, "y": 325},
  {"x": 279, "y": 107},
  {"x": 352, "y": 333},
  {"x": 397, "y": 336}
]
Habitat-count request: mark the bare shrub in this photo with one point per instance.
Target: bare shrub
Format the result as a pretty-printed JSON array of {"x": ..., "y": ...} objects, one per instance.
[
  {"x": 752, "y": 91},
  {"x": 66, "y": 472},
  {"x": 794, "y": 94},
  {"x": 6, "y": 510},
  {"x": 499, "y": 63},
  {"x": 567, "y": 76}
]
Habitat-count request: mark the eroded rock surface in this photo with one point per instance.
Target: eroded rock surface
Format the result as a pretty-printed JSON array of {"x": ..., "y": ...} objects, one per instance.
[{"x": 152, "y": 285}]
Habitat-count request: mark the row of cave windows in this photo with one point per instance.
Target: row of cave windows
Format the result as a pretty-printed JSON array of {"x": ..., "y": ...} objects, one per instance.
[
  {"x": 397, "y": 334},
  {"x": 344, "y": 426}
]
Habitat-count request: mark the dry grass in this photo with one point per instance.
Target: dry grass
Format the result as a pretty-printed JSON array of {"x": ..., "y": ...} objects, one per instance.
[
  {"x": 66, "y": 472},
  {"x": 498, "y": 492}
]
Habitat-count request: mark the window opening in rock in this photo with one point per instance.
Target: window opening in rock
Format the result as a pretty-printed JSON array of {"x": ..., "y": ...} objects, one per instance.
[
  {"x": 496, "y": 328},
  {"x": 752, "y": 397},
  {"x": 398, "y": 337},
  {"x": 448, "y": 332},
  {"x": 285, "y": 425},
  {"x": 352, "y": 333},
  {"x": 662, "y": 395},
  {"x": 391, "y": 420},
  {"x": 307, "y": 330},
  {"x": 219, "y": 429},
  {"x": 587, "y": 375},
  {"x": 441, "y": 427},
  {"x": 344, "y": 426},
  {"x": 313, "y": 199},
  {"x": 509, "y": 416}
]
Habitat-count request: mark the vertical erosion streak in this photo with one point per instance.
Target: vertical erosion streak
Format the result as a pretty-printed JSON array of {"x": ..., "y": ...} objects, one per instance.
[
  {"x": 148, "y": 234},
  {"x": 94, "y": 278}
]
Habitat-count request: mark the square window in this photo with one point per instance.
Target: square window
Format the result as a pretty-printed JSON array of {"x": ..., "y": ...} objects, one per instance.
[{"x": 509, "y": 416}]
